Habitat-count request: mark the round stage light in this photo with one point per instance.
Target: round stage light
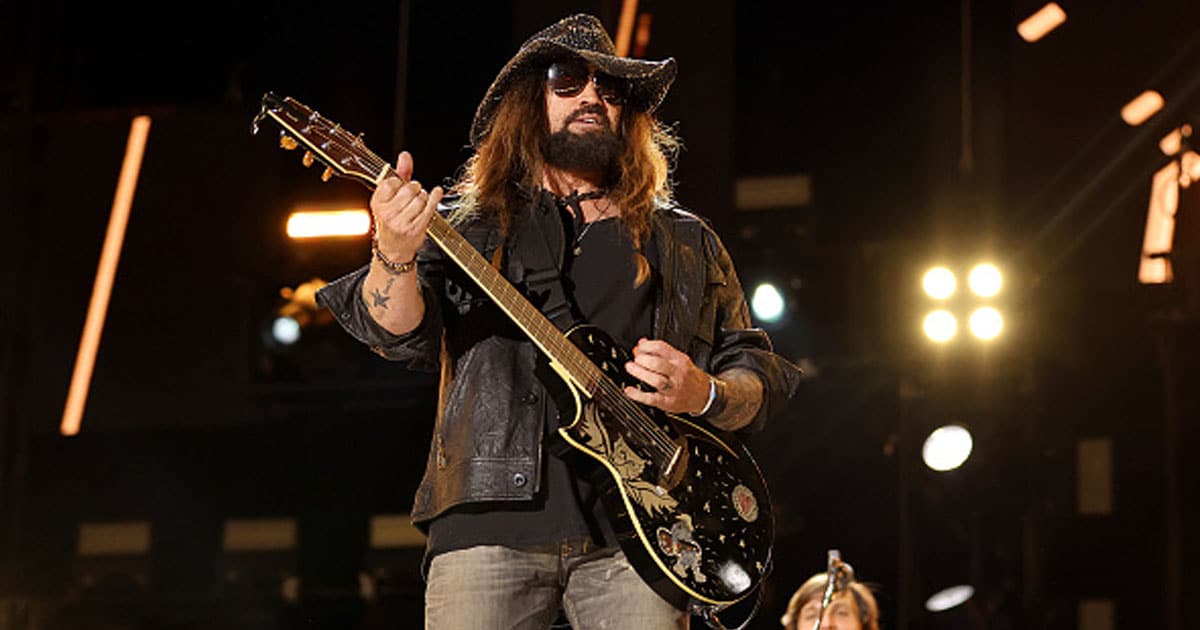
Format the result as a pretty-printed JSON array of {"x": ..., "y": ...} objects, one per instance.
[
  {"x": 985, "y": 280},
  {"x": 948, "y": 598},
  {"x": 285, "y": 330},
  {"x": 939, "y": 283},
  {"x": 986, "y": 323},
  {"x": 767, "y": 302},
  {"x": 947, "y": 448},
  {"x": 940, "y": 326}
]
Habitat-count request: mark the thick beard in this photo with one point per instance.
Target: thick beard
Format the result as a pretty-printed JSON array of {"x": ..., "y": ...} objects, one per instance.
[{"x": 593, "y": 152}]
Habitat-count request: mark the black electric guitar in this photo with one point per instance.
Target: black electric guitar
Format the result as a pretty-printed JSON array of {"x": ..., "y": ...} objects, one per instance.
[{"x": 687, "y": 502}]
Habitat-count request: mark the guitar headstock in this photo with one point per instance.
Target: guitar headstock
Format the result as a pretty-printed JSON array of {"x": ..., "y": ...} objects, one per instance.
[{"x": 324, "y": 141}]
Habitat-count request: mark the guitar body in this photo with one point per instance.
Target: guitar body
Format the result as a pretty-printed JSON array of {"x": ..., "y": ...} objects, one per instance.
[{"x": 688, "y": 504}]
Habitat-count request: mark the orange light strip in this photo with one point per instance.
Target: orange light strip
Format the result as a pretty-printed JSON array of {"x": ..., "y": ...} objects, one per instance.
[
  {"x": 110, "y": 254},
  {"x": 1041, "y": 23},
  {"x": 1155, "y": 267},
  {"x": 1141, "y": 108},
  {"x": 312, "y": 224},
  {"x": 625, "y": 27},
  {"x": 643, "y": 34}
]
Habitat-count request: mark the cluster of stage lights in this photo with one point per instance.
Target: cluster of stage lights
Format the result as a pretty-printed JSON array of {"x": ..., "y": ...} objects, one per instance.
[
  {"x": 948, "y": 447},
  {"x": 985, "y": 322}
]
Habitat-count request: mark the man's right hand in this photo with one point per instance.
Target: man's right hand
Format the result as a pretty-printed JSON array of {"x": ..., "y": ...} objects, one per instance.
[{"x": 402, "y": 211}]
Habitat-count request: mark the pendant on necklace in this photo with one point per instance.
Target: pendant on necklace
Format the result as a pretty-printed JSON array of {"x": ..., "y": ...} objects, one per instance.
[
  {"x": 573, "y": 202},
  {"x": 579, "y": 241}
]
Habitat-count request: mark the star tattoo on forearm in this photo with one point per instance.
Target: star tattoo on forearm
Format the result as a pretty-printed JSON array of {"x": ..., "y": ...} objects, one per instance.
[{"x": 379, "y": 298}]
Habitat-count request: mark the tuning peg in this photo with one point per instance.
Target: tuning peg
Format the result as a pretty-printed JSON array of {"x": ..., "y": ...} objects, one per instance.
[
  {"x": 288, "y": 142},
  {"x": 327, "y": 174},
  {"x": 307, "y": 160}
]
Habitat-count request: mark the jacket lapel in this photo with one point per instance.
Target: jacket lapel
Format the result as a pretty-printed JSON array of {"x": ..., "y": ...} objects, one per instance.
[{"x": 683, "y": 274}]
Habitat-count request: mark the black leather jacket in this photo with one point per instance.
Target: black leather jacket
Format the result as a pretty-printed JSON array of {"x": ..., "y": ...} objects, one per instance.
[{"x": 487, "y": 443}]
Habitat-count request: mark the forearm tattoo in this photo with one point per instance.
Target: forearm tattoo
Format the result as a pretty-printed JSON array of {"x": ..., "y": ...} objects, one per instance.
[
  {"x": 380, "y": 298},
  {"x": 738, "y": 399}
]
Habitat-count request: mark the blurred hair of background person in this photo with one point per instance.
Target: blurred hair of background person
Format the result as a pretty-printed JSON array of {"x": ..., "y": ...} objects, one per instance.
[{"x": 851, "y": 608}]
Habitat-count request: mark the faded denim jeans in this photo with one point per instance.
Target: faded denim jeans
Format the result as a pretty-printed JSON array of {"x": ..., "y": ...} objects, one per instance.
[{"x": 497, "y": 588}]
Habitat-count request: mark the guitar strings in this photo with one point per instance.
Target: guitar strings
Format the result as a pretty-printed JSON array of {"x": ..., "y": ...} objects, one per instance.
[
  {"x": 617, "y": 398},
  {"x": 659, "y": 449}
]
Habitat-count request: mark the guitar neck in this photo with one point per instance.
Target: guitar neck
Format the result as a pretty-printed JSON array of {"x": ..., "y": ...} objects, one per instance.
[
  {"x": 544, "y": 334},
  {"x": 528, "y": 318}
]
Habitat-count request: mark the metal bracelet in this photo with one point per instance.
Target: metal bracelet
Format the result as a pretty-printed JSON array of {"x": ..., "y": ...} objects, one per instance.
[
  {"x": 720, "y": 399},
  {"x": 393, "y": 268},
  {"x": 713, "y": 391}
]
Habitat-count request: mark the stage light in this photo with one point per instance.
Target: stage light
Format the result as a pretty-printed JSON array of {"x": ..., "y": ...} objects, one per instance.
[
  {"x": 1041, "y": 23},
  {"x": 625, "y": 26},
  {"x": 940, "y": 326},
  {"x": 767, "y": 302},
  {"x": 1140, "y": 109},
  {"x": 939, "y": 283},
  {"x": 985, "y": 280},
  {"x": 285, "y": 330},
  {"x": 298, "y": 311},
  {"x": 1172, "y": 143},
  {"x": 106, "y": 271},
  {"x": 986, "y": 323},
  {"x": 1159, "y": 238},
  {"x": 948, "y": 598},
  {"x": 947, "y": 448},
  {"x": 328, "y": 223},
  {"x": 1190, "y": 165}
]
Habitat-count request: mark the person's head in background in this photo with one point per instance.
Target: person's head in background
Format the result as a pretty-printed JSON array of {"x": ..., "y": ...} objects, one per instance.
[{"x": 851, "y": 609}]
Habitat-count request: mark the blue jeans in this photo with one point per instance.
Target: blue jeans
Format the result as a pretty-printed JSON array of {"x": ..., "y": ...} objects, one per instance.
[{"x": 492, "y": 587}]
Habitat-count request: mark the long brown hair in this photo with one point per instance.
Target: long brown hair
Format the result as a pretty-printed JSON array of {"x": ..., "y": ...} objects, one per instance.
[{"x": 509, "y": 159}]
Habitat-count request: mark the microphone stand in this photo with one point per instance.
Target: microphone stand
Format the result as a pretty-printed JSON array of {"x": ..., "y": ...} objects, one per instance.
[{"x": 838, "y": 576}]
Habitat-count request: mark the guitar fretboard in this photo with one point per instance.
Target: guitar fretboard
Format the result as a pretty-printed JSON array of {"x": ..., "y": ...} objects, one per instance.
[{"x": 539, "y": 329}]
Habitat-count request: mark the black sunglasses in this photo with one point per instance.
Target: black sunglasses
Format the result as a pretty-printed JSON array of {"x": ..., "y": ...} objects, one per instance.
[{"x": 568, "y": 78}]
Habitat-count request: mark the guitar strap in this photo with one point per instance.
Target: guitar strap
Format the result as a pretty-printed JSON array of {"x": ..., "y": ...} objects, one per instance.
[{"x": 535, "y": 260}]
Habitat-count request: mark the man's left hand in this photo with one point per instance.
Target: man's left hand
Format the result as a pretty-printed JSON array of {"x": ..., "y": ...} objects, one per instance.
[{"x": 680, "y": 386}]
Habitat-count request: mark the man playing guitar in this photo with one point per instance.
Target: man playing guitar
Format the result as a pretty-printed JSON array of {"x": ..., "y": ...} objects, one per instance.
[{"x": 568, "y": 195}]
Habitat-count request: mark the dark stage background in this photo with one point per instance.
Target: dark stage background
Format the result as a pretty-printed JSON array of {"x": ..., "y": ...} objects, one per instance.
[{"x": 195, "y": 418}]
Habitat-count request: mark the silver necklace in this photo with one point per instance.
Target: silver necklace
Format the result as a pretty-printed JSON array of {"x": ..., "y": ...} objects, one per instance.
[
  {"x": 587, "y": 226},
  {"x": 574, "y": 201}
]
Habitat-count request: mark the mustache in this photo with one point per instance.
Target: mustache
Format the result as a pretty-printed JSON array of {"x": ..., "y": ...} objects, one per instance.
[{"x": 594, "y": 108}]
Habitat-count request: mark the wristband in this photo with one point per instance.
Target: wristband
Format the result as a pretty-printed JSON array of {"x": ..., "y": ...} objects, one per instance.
[
  {"x": 712, "y": 396},
  {"x": 393, "y": 268}
]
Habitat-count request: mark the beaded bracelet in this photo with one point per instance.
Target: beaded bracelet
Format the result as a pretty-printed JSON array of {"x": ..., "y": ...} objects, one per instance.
[{"x": 393, "y": 268}]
